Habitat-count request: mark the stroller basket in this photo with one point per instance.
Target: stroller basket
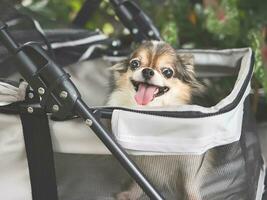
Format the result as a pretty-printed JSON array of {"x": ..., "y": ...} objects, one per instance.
[{"x": 219, "y": 141}]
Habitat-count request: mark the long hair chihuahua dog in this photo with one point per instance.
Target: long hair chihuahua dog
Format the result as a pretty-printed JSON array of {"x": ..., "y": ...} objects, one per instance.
[{"x": 155, "y": 75}]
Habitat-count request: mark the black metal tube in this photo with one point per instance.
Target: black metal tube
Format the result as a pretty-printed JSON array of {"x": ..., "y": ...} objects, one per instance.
[
  {"x": 87, "y": 11},
  {"x": 83, "y": 111},
  {"x": 7, "y": 40}
]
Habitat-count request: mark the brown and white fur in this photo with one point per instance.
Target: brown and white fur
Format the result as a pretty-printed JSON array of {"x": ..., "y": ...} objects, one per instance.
[
  {"x": 153, "y": 57},
  {"x": 156, "y": 56}
]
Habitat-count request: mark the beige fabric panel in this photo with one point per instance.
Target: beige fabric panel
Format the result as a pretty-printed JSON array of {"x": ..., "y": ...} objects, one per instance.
[{"x": 14, "y": 173}]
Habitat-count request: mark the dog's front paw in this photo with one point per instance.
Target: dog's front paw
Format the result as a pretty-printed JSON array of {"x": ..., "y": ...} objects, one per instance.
[{"x": 126, "y": 195}]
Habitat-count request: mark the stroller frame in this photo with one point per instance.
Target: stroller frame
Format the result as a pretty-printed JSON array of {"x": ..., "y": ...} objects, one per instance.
[
  {"x": 31, "y": 70},
  {"x": 36, "y": 73}
]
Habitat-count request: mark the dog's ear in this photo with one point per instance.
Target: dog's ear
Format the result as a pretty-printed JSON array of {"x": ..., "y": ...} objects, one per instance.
[
  {"x": 186, "y": 71},
  {"x": 120, "y": 67},
  {"x": 118, "y": 70},
  {"x": 185, "y": 67}
]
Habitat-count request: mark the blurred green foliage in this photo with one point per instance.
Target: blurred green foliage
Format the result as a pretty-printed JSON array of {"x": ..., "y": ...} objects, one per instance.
[
  {"x": 55, "y": 9},
  {"x": 183, "y": 23},
  {"x": 210, "y": 24}
]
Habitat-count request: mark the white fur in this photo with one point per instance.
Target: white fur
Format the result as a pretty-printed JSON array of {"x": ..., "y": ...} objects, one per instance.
[
  {"x": 124, "y": 96},
  {"x": 157, "y": 79}
]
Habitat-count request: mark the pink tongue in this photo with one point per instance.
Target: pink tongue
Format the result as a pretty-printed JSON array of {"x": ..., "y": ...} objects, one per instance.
[{"x": 145, "y": 94}]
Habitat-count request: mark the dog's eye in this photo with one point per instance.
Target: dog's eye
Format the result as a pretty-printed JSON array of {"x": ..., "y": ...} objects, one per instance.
[
  {"x": 134, "y": 64},
  {"x": 167, "y": 72}
]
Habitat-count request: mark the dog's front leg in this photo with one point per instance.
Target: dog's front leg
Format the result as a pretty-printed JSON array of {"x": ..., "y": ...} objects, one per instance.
[{"x": 134, "y": 193}]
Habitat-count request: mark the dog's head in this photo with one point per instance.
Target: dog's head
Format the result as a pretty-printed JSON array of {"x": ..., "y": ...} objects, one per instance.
[{"x": 154, "y": 75}]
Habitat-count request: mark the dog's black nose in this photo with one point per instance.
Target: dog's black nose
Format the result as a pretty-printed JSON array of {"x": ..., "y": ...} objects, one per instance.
[{"x": 147, "y": 73}]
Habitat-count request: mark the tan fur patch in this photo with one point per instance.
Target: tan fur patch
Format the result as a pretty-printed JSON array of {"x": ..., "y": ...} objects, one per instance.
[
  {"x": 144, "y": 55},
  {"x": 155, "y": 58}
]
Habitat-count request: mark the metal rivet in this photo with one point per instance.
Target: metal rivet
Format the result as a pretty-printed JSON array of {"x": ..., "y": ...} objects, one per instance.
[
  {"x": 115, "y": 43},
  {"x": 30, "y": 110},
  {"x": 41, "y": 90},
  {"x": 115, "y": 53},
  {"x": 88, "y": 122},
  {"x": 135, "y": 31},
  {"x": 55, "y": 108},
  {"x": 150, "y": 33},
  {"x": 30, "y": 95},
  {"x": 63, "y": 94}
]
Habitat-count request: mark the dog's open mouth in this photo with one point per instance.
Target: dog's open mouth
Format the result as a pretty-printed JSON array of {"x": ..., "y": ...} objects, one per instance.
[{"x": 145, "y": 92}]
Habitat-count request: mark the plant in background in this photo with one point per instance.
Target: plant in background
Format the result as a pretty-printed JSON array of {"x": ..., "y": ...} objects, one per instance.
[
  {"x": 184, "y": 24},
  {"x": 169, "y": 33},
  {"x": 236, "y": 23},
  {"x": 54, "y": 10},
  {"x": 222, "y": 20}
]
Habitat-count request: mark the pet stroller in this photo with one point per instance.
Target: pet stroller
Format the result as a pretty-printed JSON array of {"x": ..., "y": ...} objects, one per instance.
[{"x": 48, "y": 153}]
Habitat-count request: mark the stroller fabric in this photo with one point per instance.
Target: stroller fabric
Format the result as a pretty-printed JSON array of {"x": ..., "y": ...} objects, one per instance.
[{"x": 86, "y": 170}]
